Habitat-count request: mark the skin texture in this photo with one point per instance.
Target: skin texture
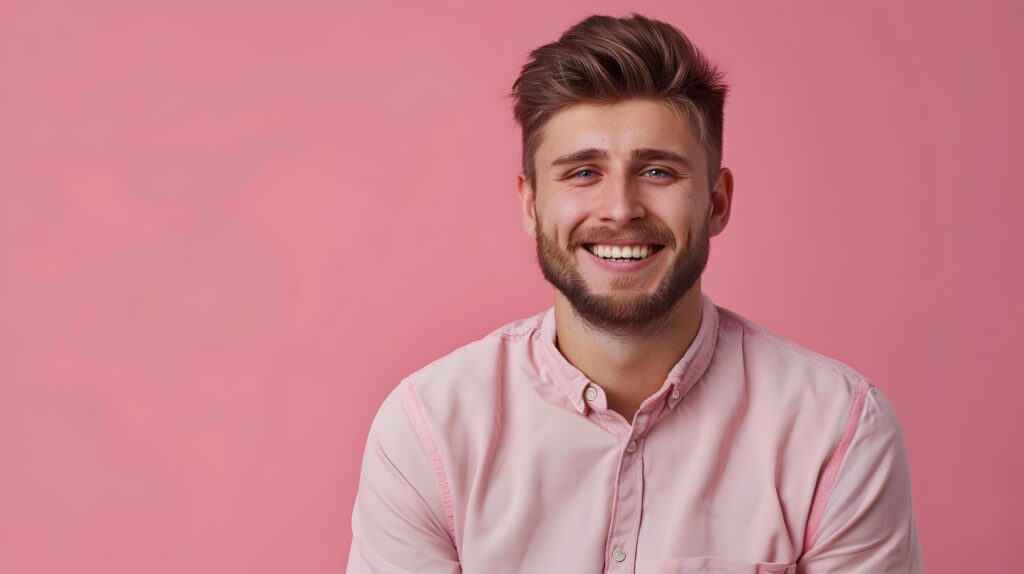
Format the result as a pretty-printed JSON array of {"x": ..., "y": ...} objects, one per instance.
[{"x": 624, "y": 329}]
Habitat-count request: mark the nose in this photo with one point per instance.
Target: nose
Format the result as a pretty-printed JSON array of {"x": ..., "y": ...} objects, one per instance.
[{"x": 620, "y": 201}]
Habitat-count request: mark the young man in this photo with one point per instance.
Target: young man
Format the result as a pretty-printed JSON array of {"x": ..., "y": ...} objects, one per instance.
[{"x": 636, "y": 426}]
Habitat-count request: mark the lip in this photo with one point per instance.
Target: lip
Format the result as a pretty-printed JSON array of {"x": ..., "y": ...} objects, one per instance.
[
  {"x": 624, "y": 266},
  {"x": 622, "y": 242}
]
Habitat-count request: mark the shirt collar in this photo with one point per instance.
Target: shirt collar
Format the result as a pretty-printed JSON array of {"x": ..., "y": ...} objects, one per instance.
[{"x": 572, "y": 383}]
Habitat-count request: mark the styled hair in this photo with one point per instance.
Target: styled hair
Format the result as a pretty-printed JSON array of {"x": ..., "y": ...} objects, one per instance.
[{"x": 604, "y": 60}]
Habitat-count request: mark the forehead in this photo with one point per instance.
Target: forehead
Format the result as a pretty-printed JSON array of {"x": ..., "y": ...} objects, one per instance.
[{"x": 618, "y": 128}]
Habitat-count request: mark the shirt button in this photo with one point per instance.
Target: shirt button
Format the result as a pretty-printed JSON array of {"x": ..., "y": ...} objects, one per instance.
[
  {"x": 631, "y": 446},
  {"x": 619, "y": 554},
  {"x": 590, "y": 394},
  {"x": 675, "y": 395}
]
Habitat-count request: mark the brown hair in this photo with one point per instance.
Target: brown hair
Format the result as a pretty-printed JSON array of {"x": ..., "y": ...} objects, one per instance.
[{"x": 603, "y": 60}]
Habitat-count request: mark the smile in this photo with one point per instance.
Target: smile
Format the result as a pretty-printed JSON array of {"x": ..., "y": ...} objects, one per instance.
[{"x": 623, "y": 252}]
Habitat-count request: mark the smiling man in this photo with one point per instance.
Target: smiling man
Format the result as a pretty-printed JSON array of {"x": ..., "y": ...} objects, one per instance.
[{"x": 635, "y": 426}]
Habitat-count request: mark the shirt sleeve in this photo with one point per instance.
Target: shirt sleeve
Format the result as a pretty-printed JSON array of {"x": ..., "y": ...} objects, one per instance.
[
  {"x": 399, "y": 523},
  {"x": 868, "y": 521}
]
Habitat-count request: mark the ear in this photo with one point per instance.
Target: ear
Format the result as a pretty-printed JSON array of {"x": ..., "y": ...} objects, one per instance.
[
  {"x": 721, "y": 202},
  {"x": 527, "y": 199}
]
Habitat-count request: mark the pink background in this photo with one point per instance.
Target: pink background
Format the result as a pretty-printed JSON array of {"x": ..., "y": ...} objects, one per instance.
[{"x": 227, "y": 230}]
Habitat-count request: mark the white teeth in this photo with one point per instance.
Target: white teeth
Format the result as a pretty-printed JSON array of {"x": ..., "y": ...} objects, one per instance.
[{"x": 622, "y": 252}]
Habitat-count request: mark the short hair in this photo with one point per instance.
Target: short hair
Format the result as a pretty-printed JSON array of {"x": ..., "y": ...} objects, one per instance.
[{"x": 603, "y": 59}]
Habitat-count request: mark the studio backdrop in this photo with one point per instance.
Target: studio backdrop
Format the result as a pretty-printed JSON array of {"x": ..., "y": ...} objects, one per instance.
[{"x": 229, "y": 229}]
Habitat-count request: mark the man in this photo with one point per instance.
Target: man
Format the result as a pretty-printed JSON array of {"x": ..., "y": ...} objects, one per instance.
[{"x": 636, "y": 426}]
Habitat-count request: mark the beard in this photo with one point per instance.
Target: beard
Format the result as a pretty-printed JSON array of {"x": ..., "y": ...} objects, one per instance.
[{"x": 625, "y": 313}]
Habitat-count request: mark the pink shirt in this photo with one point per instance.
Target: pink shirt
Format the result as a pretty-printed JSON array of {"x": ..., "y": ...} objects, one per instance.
[{"x": 756, "y": 455}]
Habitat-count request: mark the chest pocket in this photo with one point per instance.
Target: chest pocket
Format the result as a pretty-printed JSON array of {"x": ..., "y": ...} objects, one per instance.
[{"x": 714, "y": 565}]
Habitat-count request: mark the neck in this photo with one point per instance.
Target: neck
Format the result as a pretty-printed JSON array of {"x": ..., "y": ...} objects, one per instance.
[{"x": 630, "y": 368}]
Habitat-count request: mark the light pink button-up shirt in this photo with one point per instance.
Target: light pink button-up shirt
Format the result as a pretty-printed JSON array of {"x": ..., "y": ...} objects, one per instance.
[{"x": 756, "y": 455}]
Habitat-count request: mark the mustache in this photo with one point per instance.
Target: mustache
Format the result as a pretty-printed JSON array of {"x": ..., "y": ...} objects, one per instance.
[{"x": 639, "y": 234}]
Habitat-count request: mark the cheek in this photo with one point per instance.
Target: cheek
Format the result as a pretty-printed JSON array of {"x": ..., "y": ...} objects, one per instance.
[
  {"x": 560, "y": 219},
  {"x": 682, "y": 215}
]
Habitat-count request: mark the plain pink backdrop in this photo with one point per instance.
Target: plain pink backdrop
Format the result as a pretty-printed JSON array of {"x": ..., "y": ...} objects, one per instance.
[{"x": 228, "y": 229}]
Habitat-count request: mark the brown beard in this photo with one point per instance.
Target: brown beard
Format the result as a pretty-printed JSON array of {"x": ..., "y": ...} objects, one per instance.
[{"x": 625, "y": 314}]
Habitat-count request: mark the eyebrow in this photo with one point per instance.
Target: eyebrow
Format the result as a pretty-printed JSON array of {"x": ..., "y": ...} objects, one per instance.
[
  {"x": 650, "y": 154},
  {"x": 588, "y": 154},
  {"x": 645, "y": 154}
]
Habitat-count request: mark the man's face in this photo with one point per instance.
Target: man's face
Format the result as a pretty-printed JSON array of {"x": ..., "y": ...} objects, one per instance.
[{"x": 622, "y": 211}]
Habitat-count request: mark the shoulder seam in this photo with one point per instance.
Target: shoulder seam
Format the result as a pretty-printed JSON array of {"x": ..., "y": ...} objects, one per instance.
[
  {"x": 518, "y": 334},
  {"x": 828, "y": 478},
  {"x": 525, "y": 327},
  {"x": 500, "y": 333},
  {"x": 414, "y": 409},
  {"x": 787, "y": 344}
]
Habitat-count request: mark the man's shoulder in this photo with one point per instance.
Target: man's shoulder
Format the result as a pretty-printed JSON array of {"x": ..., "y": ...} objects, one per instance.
[
  {"x": 764, "y": 350},
  {"x": 477, "y": 360},
  {"x": 815, "y": 394}
]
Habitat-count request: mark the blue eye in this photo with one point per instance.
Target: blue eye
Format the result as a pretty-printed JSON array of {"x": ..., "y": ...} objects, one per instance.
[
  {"x": 582, "y": 173},
  {"x": 654, "y": 171}
]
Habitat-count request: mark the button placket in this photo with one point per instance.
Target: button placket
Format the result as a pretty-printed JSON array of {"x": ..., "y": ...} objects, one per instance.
[{"x": 625, "y": 527}]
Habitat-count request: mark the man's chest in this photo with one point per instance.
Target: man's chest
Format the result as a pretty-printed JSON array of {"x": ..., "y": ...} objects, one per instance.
[{"x": 567, "y": 495}]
